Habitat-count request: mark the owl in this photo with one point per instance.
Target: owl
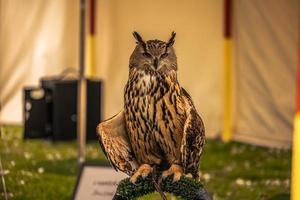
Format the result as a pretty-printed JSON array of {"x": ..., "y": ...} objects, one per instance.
[{"x": 159, "y": 127}]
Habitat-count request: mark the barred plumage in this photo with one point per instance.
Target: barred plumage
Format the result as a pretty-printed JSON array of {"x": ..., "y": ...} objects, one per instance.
[
  {"x": 159, "y": 125},
  {"x": 154, "y": 123}
]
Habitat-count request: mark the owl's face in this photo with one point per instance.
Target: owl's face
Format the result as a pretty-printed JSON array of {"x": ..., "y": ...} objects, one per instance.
[{"x": 154, "y": 55}]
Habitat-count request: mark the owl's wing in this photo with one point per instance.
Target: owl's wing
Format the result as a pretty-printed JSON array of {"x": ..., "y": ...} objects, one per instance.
[
  {"x": 115, "y": 144},
  {"x": 193, "y": 137}
]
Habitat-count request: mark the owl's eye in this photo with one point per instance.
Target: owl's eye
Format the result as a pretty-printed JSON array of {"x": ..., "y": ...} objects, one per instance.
[
  {"x": 147, "y": 55},
  {"x": 164, "y": 55}
]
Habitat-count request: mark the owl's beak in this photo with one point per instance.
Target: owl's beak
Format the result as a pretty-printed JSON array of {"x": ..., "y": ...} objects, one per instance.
[{"x": 156, "y": 63}]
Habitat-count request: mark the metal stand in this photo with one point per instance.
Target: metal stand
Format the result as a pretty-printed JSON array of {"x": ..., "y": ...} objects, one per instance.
[
  {"x": 81, "y": 110},
  {"x": 2, "y": 170}
]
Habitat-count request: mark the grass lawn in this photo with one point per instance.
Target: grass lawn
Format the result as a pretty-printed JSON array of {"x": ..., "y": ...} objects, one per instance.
[{"x": 39, "y": 169}]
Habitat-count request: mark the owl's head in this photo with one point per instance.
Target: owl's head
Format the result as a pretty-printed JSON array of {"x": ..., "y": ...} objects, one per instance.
[{"x": 154, "y": 55}]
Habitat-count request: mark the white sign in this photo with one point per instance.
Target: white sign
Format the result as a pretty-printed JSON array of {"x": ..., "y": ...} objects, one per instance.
[{"x": 97, "y": 182}]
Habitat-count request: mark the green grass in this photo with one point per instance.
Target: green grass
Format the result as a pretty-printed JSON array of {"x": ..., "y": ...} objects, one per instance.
[{"x": 39, "y": 169}]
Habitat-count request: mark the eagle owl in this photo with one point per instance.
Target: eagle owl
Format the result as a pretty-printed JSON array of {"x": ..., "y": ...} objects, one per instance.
[{"x": 159, "y": 125}]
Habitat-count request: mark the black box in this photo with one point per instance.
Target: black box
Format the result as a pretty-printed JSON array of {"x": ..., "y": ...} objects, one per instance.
[
  {"x": 35, "y": 113},
  {"x": 59, "y": 116}
]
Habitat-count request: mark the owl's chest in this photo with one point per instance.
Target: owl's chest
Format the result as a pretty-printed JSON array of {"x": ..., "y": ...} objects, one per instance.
[
  {"x": 141, "y": 95},
  {"x": 150, "y": 102}
]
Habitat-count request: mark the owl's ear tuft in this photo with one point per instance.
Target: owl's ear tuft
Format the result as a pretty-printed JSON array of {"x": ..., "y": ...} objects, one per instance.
[
  {"x": 139, "y": 39},
  {"x": 171, "y": 40}
]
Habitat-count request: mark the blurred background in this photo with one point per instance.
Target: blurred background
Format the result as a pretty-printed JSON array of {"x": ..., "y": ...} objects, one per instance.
[{"x": 237, "y": 59}]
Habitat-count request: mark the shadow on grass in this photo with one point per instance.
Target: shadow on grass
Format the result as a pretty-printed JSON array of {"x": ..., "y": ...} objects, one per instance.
[{"x": 283, "y": 196}]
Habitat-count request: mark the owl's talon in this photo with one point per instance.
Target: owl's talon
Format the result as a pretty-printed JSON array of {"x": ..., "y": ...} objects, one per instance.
[
  {"x": 144, "y": 176},
  {"x": 189, "y": 175},
  {"x": 133, "y": 178},
  {"x": 144, "y": 170},
  {"x": 175, "y": 170}
]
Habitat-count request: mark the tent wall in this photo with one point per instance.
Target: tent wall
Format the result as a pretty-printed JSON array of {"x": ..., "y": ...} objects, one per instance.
[
  {"x": 37, "y": 38},
  {"x": 266, "y": 47},
  {"x": 199, "y": 48},
  {"x": 50, "y": 34},
  {"x": 40, "y": 38}
]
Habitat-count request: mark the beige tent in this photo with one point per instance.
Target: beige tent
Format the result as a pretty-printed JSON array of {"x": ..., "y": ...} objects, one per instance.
[{"x": 41, "y": 38}]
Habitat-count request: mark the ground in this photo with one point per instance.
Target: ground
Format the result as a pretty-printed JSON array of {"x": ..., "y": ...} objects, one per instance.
[{"x": 40, "y": 169}]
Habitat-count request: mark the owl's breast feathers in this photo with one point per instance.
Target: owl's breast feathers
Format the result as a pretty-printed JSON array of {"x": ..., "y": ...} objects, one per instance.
[
  {"x": 159, "y": 123},
  {"x": 155, "y": 114}
]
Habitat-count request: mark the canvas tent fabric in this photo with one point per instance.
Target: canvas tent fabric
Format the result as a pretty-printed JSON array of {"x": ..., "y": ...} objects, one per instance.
[
  {"x": 198, "y": 46},
  {"x": 266, "y": 48},
  {"x": 37, "y": 38},
  {"x": 199, "y": 51},
  {"x": 43, "y": 40}
]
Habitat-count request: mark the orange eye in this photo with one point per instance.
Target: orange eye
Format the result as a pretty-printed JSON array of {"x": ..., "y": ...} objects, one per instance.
[
  {"x": 164, "y": 55},
  {"x": 147, "y": 55}
]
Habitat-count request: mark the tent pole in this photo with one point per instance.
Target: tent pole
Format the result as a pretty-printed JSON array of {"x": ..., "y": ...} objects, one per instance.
[
  {"x": 90, "y": 63},
  {"x": 227, "y": 123},
  {"x": 295, "y": 182},
  {"x": 81, "y": 109}
]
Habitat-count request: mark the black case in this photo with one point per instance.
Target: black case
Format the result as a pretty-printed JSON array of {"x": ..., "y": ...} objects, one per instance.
[
  {"x": 35, "y": 113},
  {"x": 60, "y": 109}
]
